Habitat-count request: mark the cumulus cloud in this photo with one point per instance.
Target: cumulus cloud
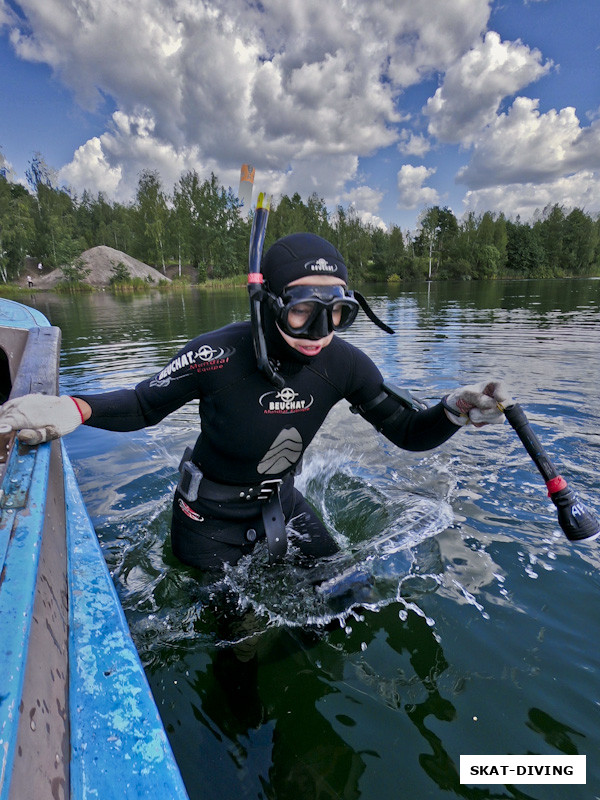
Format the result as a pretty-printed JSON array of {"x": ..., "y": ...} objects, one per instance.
[
  {"x": 413, "y": 144},
  {"x": 303, "y": 90},
  {"x": 524, "y": 199},
  {"x": 91, "y": 168},
  {"x": 364, "y": 202},
  {"x": 411, "y": 192},
  {"x": 476, "y": 84},
  {"x": 210, "y": 86},
  {"x": 525, "y": 146},
  {"x": 526, "y": 160}
]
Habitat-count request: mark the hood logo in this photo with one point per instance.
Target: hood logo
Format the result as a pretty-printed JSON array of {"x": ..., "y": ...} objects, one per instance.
[
  {"x": 286, "y": 401},
  {"x": 320, "y": 265}
]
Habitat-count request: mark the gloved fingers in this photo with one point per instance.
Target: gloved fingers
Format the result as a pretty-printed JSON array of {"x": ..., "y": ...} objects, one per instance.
[
  {"x": 480, "y": 403},
  {"x": 41, "y": 417},
  {"x": 490, "y": 416},
  {"x": 474, "y": 397},
  {"x": 33, "y": 436},
  {"x": 501, "y": 394},
  {"x": 11, "y": 416}
]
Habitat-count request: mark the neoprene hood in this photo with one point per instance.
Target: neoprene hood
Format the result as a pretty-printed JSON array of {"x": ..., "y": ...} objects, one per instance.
[{"x": 299, "y": 255}]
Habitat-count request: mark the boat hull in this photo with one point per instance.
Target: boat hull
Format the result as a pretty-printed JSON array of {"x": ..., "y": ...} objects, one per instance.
[{"x": 77, "y": 716}]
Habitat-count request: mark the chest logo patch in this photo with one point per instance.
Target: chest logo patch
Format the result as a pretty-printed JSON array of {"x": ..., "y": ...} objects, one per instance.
[
  {"x": 285, "y": 451},
  {"x": 204, "y": 359},
  {"x": 286, "y": 401}
]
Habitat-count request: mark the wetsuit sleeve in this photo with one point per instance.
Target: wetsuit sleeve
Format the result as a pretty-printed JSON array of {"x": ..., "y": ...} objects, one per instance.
[
  {"x": 149, "y": 402},
  {"x": 404, "y": 427},
  {"x": 131, "y": 409}
]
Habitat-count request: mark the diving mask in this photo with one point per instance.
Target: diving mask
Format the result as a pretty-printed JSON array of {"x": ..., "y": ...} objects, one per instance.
[{"x": 313, "y": 312}]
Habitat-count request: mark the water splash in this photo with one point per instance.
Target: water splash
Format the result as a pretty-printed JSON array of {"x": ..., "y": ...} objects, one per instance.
[{"x": 388, "y": 554}]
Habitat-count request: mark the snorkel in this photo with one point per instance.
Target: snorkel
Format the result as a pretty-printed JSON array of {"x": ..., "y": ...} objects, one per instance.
[{"x": 255, "y": 290}]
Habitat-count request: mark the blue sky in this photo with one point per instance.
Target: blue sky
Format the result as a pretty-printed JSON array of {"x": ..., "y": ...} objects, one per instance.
[{"x": 388, "y": 106}]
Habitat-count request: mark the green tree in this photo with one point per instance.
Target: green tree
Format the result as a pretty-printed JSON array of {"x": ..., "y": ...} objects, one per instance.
[
  {"x": 579, "y": 242},
  {"x": 358, "y": 250},
  {"x": 56, "y": 239},
  {"x": 316, "y": 218},
  {"x": 485, "y": 230},
  {"x": 551, "y": 232},
  {"x": 486, "y": 259},
  {"x": 500, "y": 240},
  {"x": 524, "y": 252},
  {"x": 17, "y": 228},
  {"x": 289, "y": 216},
  {"x": 76, "y": 272},
  {"x": 151, "y": 204}
]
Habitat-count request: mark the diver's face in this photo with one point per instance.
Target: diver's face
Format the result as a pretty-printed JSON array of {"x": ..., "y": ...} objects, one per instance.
[{"x": 309, "y": 347}]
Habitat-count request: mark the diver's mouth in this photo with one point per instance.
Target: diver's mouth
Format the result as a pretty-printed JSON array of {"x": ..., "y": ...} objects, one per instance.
[{"x": 309, "y": 349}]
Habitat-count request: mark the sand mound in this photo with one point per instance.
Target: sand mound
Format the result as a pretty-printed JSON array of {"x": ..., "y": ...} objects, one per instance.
[{"x": 101, "y": 260}]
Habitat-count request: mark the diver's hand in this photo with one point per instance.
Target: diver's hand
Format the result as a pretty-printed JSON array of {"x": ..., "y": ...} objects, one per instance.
[
  {"x": 478, "y": 403},
  {"x": 41, "y": 417}
]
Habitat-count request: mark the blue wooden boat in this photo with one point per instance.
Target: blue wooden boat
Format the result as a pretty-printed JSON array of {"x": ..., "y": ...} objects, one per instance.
[{"x": 77, "y": 716}]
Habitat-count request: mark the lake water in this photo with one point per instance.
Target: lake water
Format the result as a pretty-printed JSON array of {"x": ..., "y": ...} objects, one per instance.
[{"x": 482, "y": 632}]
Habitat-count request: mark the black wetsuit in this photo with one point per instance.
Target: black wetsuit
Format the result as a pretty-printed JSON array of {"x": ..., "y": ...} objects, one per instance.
[{"x": 251, "y": 432}]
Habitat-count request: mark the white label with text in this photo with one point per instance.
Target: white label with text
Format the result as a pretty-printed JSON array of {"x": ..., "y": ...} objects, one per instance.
[{"x": 522, "y": 769}]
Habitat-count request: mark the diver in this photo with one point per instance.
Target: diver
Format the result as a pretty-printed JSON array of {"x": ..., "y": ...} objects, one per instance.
[{"x": 264, "y": 393}]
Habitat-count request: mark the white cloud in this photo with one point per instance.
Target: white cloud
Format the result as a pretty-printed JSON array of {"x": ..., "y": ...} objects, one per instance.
[
  {"x": 91, "y": 168},
  {"x": 571, "y": 191},
  {"x": 303, "y": 89},
  {"x": 526, "y": 159},
  {"x": 413, "y": 144},
  {"x": 364, "y": 202},
  {"x": 411, "y": 192},
  {"x": 525, "y": 146},
  {"x": 475, "y": 85},
  {"x": 287, "y": 86}
]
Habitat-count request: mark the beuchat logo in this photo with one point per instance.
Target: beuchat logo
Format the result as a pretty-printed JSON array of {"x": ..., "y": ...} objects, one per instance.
[{"x": 320, "y": 265}]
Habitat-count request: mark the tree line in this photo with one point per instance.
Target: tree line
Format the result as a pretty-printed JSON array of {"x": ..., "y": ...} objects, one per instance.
[{"x": 200, "y": 224}]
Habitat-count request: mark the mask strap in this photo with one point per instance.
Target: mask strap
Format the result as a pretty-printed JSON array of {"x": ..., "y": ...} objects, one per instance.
[{"x": 371, "y": 314}]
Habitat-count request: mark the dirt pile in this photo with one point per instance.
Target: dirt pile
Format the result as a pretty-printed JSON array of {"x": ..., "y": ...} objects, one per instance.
[{"x": 101, "y": 261}]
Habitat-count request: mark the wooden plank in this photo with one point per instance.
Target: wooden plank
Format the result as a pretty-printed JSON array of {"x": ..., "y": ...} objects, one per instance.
[
  {"x": 38, "y": 370},
  {"x": 42, "y": 756},
  {"x": 22, "y": 507},
  {"x": 21, "y": 524}
]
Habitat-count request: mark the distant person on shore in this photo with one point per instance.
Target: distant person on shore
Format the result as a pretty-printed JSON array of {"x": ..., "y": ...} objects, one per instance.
[
  {"x": 237, "y": 481},
  {"x": 29, "y": 281}
]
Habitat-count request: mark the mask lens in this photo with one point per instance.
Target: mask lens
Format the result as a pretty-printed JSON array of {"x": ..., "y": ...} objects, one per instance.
[
  {"x": 343, "y": 315},
  {"x": 313, "y": 312},
  {"x": 301, "y": 315}
]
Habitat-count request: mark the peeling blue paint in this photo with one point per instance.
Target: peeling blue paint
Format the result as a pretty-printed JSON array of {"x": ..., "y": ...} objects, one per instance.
[
  {"x": 119, "y": 745},
  {"x": 119, "y": 748},
  {"x": 25, "y": 485}
]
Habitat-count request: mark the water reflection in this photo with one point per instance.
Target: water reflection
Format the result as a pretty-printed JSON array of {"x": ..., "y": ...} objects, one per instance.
[{"x": 482, "y": 638}]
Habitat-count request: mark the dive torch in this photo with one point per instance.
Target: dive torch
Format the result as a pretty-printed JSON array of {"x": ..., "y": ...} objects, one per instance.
[{"x": 573, "y": 517}]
